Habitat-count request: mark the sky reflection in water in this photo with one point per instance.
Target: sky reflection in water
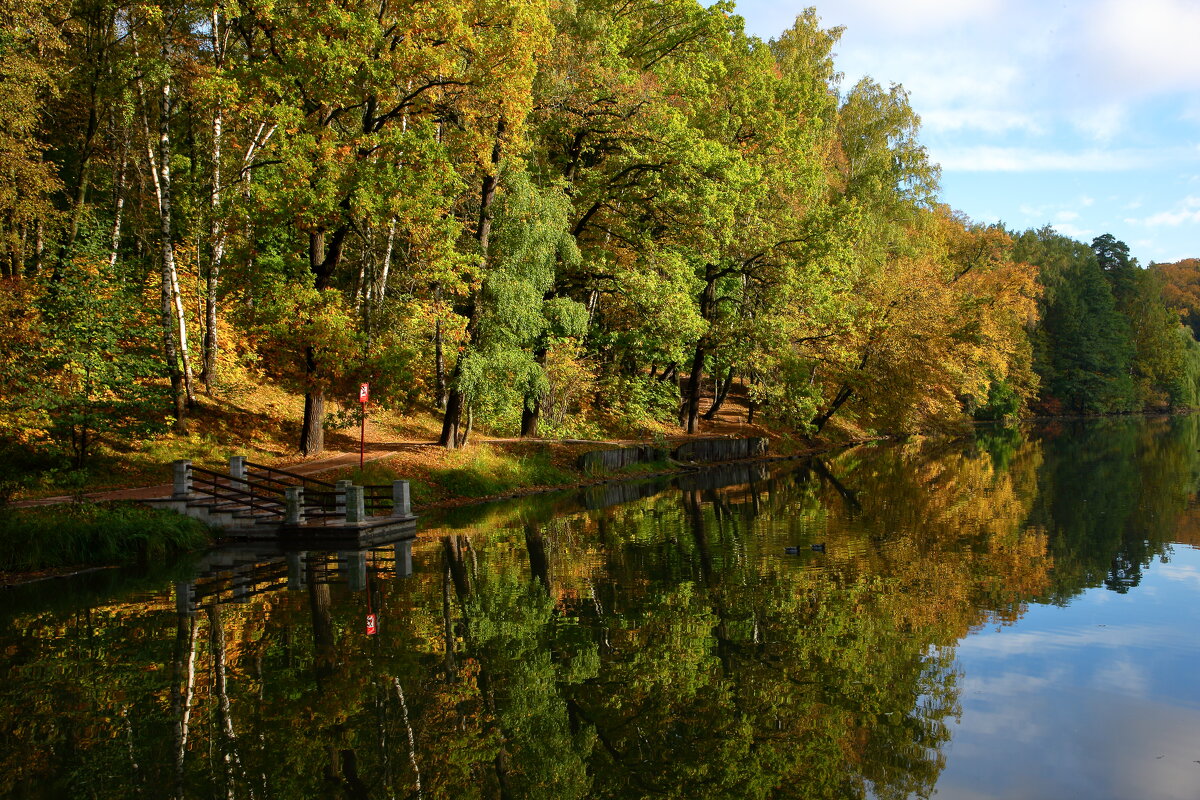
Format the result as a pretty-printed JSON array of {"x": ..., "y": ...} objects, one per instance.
[{"x": 1099, "y": 699}]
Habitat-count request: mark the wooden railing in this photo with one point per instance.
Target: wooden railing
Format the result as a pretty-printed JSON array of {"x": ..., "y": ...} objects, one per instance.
[
  {"x": 270, "y": 492},
  {"x": 267, "y": 474},
  {"x": 256, "y": 496}
]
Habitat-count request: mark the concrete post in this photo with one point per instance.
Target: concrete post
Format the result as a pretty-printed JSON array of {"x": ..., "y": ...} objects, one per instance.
[
  {"x": 293, "y": 504},
  {"x": 353, "y": 565},
  {"x": 401, "y": 502},
  {"x": 183, "y": 479},
  {"x": 239, "y": 585},
  {"x": 296, "y": 574},
  {"x": 404, "y": 558},
  {"x": 355, "y": 511},
  {"x": 237, "y": 468},
  {"x": 185, "y": 598},
  {"x": 340, "y": 500}
]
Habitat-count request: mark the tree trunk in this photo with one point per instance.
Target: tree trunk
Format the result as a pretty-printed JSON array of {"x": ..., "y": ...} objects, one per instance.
[
  {"x": 531, "y": 409},
  {"x": 381, "y": 283},
  {"x": 79, "y": 196},
  {"x": 751, "y": 406},
  {"x": 119, "y": 190},
  {"x": 312, "y": 433},
  {"x": 439, "y": 366},
  {"x": 690, "y": 409},
  {"x": 216, "y": 231},
  {"x": 39, "y": 247},
  {"x": 451, "y": 420},
  {"x": 844, "y": 394},
  {"x": 183, "y": 685},
  {"x": 692, "y": 398},
  {"x": 466, "y": 437},
  {"x": 160, "y": 171},
  {"x": 721, "y": 395},
  {"x": 325, "y": 658},
  {"x": 530, "y": 417},
  {"x": 483, "y": 233},
  {"x": 539, "y": 562},
  {"x": 323, "y": 261}
]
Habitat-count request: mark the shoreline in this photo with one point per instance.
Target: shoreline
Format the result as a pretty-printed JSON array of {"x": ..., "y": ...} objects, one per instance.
[{"x": 15, "y": 578}]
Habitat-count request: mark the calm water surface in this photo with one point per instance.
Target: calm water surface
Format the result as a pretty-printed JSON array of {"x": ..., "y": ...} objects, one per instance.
[{"x": 1012, "y": 617}]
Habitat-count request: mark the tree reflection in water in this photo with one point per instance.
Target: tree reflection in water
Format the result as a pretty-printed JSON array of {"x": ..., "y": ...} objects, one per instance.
[{"x": 663, "y": 647}]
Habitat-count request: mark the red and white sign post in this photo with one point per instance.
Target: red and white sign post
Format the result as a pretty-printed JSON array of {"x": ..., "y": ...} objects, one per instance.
[
  {"x": 372, "y": 624},
  {"x": 364, "y": 394}
]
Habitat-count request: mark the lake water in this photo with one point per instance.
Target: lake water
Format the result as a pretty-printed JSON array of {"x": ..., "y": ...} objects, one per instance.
[{"x": 1016, "y": 616}]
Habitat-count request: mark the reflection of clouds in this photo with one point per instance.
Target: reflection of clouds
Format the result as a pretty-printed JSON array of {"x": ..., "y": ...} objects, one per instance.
[
  {"x": 1060, "y": 706},
  {"x": 1064, "y": 740},
  {"x": 1179, "y": 572},
  {"x": 993, "y": 712},
  {"x": 1011, "y": 683},
  {"x": 1014, "y": 643},
  {"x": 1121, "y": 676}
]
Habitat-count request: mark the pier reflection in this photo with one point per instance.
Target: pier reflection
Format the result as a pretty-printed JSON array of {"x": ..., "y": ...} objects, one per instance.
[{"x": 238, "y": 573}]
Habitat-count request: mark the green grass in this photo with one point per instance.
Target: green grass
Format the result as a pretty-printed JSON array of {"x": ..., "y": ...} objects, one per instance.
[
  {"x": 93, "y": 533},
  {"x": 485, "y": 472}
]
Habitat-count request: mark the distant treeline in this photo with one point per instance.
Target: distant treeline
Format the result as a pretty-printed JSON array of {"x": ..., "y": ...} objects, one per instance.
[{"x": 529, "y": 215}]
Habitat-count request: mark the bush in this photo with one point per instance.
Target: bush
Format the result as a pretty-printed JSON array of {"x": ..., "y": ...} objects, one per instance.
[{"x": 93, "y": 533}]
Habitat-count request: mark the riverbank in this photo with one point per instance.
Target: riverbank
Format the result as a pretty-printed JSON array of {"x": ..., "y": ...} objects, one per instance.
[
  {"x": 53, "y": 537},
  {"x": 264, "y": 425}
]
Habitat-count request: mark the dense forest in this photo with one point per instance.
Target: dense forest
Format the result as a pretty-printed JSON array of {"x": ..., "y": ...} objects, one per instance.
[{"x": 533, "y": 216}]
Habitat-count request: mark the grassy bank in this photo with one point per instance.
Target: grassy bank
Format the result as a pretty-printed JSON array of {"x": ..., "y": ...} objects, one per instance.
[
  {"x": 77, "y": 534},
  {"x": 439, "y": 476}
]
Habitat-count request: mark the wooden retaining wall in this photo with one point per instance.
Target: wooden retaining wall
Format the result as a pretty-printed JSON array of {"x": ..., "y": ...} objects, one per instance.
[
  {"x": 706, "y": 450},
  {"x": 620, "y": 457},
  {"x": 700, "y": 451}
]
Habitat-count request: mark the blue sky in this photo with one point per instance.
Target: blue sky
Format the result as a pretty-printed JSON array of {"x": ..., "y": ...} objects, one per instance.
[{"x": 1083, "y": 114}]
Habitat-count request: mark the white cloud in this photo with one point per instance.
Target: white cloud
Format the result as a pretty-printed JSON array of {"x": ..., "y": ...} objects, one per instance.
[
  {"x": 916, "y": 16},
  {"x": 1066, "y": 216},
  {"x": 1102, "y": 123},
  {"x": 1187, "y": 211},
  {"x": 1147, "y": 45},
  {"x": 1122, "y": 676},
  {"x": 986, "y": 158},
  {"x": 1041, "y": 642},
  {"x": 1073, "y": 231},
  {"x": 992, "y": 121}
]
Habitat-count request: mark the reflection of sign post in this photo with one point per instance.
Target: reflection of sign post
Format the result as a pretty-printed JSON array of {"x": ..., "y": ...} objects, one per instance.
[
  {"x": 372, "y": 627},
  {"x": 364, "y": 394}
]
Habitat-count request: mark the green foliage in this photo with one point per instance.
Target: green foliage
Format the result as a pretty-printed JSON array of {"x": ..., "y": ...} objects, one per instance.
[
  {"x": 1184, "y": 387},
  {"x": 529, "y": 241},
  {"x": 634, "y": 399},
  {"x": 521, "y": 205},
  {"x": 1082, "y": 348},
  {"x": 88, "y": 366},
  {"x": 482, "y": 473},
  {"x": 89, "y": 533},
  {"x": 1003, "y": 403}
]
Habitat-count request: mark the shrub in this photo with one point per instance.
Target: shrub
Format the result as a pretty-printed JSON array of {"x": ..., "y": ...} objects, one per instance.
[{"x": 93, "y": 533}]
